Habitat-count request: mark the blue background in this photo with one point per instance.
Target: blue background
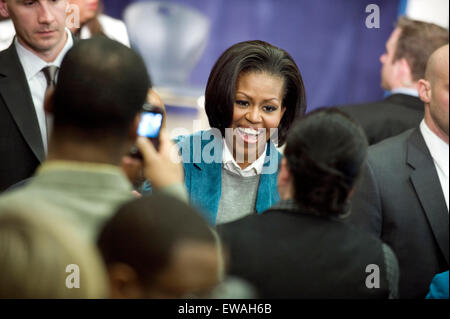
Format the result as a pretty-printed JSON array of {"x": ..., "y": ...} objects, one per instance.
[{"x": 337, "y": 55}]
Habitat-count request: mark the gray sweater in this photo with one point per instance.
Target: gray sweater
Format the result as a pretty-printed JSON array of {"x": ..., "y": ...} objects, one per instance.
[{"x": 238, "y": 196}]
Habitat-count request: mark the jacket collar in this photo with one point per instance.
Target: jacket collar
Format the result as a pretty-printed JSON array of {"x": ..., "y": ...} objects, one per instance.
[{"x": 407, "y": 101}]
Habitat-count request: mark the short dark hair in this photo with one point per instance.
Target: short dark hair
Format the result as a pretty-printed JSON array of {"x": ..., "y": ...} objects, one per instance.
[
  {"x": 417, "y": 41},
  {"x": 102, "y": 85},
  {"x": 253, "y": 56},
  {"x": 325, "y": 152},
  {"x": 143, "y": 232}
]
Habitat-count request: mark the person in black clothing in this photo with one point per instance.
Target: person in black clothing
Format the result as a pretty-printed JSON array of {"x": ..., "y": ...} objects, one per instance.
[
  {"x": 301, "y": 248},
  {"x": 403, "y": 65}
]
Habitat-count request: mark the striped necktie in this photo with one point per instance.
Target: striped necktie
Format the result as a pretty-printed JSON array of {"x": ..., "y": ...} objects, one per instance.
[{"x": 50, "y": 75}]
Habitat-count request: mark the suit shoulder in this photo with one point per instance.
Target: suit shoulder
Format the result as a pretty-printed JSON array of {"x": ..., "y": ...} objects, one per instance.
[
  {"x": 392, "y": 143},
  {"x": 8, "y": 57},
  {"x": 361, "y": 106},
  {"x": 4, "y": 55},
  {"x": 390, "y": 153},
  {"x": 241, "y": 227}
]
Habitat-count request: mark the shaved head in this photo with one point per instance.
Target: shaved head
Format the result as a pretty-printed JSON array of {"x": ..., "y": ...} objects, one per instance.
[
  {"x": 438, "y": 63},
  {"x": 434, "y": 90}
]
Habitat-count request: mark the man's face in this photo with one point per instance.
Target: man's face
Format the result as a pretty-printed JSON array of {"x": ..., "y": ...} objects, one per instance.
[
  {"x": 39, "y": 24},
  {"x": 388, "y": 70}
]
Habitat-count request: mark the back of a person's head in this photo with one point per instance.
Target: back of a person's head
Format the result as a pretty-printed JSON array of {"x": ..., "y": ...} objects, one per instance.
[
  {"x": 101, "y": 87},
  {"x": 38, "y": 259},
  {"x": 325, "y": 152},
  {"x": 144, "y": 234},
  {"x": 417, "y": 41}
]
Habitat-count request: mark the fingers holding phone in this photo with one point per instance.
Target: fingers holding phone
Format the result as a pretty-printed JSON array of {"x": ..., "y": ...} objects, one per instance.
[
  {"x": 149, "y": 126},
  {"x": 154, "y": 149},
  {"x": 160, "y": 168}
]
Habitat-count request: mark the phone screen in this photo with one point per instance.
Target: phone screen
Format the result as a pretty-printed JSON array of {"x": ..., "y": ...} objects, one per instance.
[{"x": 150, "y": 124}]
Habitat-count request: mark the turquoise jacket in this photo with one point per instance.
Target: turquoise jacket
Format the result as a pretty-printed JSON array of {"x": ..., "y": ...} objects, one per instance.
[
  {"x": 202, "y": 159},
  {"x": 439, "y": 287}
]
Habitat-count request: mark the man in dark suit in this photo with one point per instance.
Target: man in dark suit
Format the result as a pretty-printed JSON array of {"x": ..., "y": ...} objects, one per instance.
[
  {"x": 40, "y": 45},
  {"x": 403, "y": 64},
  {"x": 403, "y": 197},
  {"x": 300, "y": 248}
]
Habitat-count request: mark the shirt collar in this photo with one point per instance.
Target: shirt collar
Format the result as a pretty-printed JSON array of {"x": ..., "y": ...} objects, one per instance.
[
  {"x": 230, "y": 164},
  {"x": 32, "y": 64},
  {"x": 84, "y": 173},
  {"x": 406, "y": 91},
  {"x": 439, "y": 150}
]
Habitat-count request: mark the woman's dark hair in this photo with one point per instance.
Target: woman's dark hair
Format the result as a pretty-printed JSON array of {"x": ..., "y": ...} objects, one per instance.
[
  {"x": 253, "y": 56},
  {"x": 325, "y": 152}
]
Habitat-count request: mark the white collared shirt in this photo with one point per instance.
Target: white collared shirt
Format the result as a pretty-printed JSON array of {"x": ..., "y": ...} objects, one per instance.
[
  {"x": 230, "y": 164},
  {"x": 32, "y": 66},
  {"x": 439, "y": 150},
  {"x": 113, "y": 28},
  {"x": 406, "y": 91},
  {"x": 7, "y": 33}
]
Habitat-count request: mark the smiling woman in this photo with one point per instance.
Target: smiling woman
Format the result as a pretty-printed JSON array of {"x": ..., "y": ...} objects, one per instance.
[
  {"x": 254, "y": 93},
  {"x": 257, "y": 109}
]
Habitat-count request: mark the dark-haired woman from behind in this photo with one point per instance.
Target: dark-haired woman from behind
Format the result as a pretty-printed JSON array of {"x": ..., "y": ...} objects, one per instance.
[
  {"x": 254, "y": 93},
  {"x": 301, "y": 247}
]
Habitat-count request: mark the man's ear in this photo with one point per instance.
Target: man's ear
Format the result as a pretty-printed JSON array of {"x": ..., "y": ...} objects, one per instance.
[
  {"x": 284, "y": 176},
  {"x": 404, "y": 72},
  {"x": 124, "y": 281},
  {"x": 424, "y": 88},
  {"x": 154, "y": 99},
  {"x": 284, "y": 181},
  {"x": 132, "y": 134},
  {"x": 4, "y": 9},
  {"x": 48, "y": 100}
]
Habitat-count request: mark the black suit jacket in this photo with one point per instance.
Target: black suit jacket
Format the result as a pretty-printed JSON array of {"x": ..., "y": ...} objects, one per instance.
[
  {"x": 291, "y": 254},
  {"x": 389, "y": 117},
  {"x": 400, "y": 200},
  {"x": 21, "y": 145}
]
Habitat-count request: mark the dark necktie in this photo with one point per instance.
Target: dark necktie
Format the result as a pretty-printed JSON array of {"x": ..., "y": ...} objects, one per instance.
[{"x": 50, "y": 76}]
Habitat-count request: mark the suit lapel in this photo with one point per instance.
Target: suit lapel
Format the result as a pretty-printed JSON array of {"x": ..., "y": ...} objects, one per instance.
[
  {"x": 428, "y": 189},
  {"x": 15, "y": 92}
]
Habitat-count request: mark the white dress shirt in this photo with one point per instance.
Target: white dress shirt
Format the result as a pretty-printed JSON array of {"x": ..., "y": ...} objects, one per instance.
[
  {"x": 113, "y": 28},
  {"x": 406, "y": 91},
  {"x": 7, "y": 33},
  {"x": 439, "y": 151},
  {"x": 230, "y": 164},
  {"x": 33, "y": 65}
]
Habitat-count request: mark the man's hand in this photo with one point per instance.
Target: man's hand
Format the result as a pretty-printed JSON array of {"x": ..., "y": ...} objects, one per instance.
[
  {"x": 159, "y": 167},
  {"x": 132, "y": 168}
]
